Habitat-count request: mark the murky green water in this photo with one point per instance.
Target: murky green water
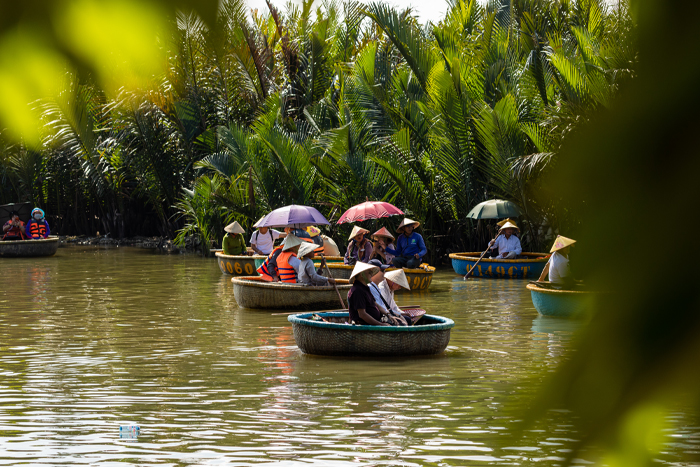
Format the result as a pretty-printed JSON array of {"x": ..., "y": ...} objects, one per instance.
[{"x": 92, "y": 339}]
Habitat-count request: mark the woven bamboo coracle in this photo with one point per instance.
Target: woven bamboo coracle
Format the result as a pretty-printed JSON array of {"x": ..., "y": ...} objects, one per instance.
[
  {"x": 33, "y": 247},
  {"x": 429, "y": 337},
  {"x": 253, "y": 292},
  {"x": 239, "y": 265}
]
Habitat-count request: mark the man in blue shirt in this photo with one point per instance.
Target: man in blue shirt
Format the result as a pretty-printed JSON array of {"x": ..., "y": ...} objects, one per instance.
[{"x": 410, "y": 247}]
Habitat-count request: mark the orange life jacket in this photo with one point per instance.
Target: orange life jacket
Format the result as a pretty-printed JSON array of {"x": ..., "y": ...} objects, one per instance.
[
  {"x": 15, "y": 231},
  {"x": 36, "y": 229},
  {"x": 318, "y": 250},
  {"x": 285, "y": 270},
  {"x": 266, "y": 270}
]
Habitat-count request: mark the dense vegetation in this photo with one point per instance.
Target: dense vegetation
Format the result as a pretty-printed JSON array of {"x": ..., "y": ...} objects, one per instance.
[{"x": 326, "y": 106}]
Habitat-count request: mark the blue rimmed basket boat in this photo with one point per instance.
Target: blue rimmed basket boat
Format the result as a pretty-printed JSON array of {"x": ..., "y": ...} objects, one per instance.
[
  {"x": 418, "y": 279},
  {"x": 253, "y": 292},
  {"x": 530, "y": 266},
  {"x": 429, "y": 337},
  {"x": 28, "y": 248},
  {"x": 556, "y": 302}
]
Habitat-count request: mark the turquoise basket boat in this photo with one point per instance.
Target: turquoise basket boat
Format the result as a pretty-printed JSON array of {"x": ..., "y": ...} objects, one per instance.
[
  {"x": 429, "y": 336},
  {"x": 531, "y": 265},
  {"x": 554, "y": 302}
]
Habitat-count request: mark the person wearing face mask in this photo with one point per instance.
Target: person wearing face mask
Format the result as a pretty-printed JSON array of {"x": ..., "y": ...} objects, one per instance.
[{"x": 37, "y": 227}]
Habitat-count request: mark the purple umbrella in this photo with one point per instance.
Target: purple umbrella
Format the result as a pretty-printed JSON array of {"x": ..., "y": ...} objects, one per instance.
[{"x": 293, "y": 216}]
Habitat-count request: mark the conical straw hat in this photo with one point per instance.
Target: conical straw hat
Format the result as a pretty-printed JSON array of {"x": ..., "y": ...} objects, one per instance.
[
  {"x": 356, "y": 230},
  {"x": 361, "y": 267},
  {"x": 383, "y": 232},
  {"x": 561, "y": 242},
  {"x": 306, "y": 248},
  {"x": 290, "y": 242},
  {"x": 406, "y": 222},
  {"x": 399, "y": 277},
  {"x": 509, "y": 225},
  {"x": 504, "y": 221},
  {"x": 234, "y": 228},
  {"x": 313, "y": 231}
]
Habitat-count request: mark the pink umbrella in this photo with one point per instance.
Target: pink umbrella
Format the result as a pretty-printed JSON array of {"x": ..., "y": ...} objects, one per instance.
[{"x": 369, "y": 210}]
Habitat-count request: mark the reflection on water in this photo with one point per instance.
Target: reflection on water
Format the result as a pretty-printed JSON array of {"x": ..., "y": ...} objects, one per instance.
[{"x": 92, "y": 339}]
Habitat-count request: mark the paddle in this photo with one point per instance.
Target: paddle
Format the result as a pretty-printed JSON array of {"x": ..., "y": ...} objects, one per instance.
[
  {"x": 335, "y": 286},
  {"x": 477, "y": 262},
  {"x": 327, "y": 311}
]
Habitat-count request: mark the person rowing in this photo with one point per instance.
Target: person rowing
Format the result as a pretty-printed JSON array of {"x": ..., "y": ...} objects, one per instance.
[
  {"x": 507, "y": 243},
  {"x": 559, "y": 271},
  {"x": 307, "y": 271}
]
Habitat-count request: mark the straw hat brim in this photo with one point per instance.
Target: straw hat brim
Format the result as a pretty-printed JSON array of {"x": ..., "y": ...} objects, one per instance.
[
  {"x": 360, "y": 268},
  {"x": 357, "y": 230},
  {"x": 234, "y": 228},
  {"x": 290, "y": 242},
  {"x": 509, "y": 225},
  {"x": 407, "y": 222},
  {"x": 383, "y": 232},
  {"x": 561, "y": 242},
  {"x": 306, "y": 248},
  {"x": 399, "y": 277}
]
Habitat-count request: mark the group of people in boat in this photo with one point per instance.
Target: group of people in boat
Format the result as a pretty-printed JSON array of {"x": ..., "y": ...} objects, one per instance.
[
  {"x": 37, "y": 226},
  {"x": 405, "y": 252},
  {"x": 371, "y": 297}
]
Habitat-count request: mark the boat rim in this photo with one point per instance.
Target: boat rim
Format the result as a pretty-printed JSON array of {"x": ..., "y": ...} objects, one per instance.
[
  {"x": 303, "y": 318},
  {"x": 256, "y": 281},
  {"x": 431, "y": 269},
  {"x": 541, "y": 258},
  {"x": 51, "y": 238},
  {"x": 533, "y": 287},
  {"x": 222, "y": 255}
]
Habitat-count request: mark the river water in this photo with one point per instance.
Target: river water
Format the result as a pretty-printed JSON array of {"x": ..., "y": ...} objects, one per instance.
[{"x": 92, "y": 339}]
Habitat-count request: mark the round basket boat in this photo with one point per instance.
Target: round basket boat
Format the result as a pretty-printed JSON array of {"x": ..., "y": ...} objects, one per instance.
[
  {"x": 33, "y": 247},
  {"x": 253, "y": 292},
  {"x": 430, "y": 337},
  {"x": 555, "y": 302},
  {"x": 530, "y": 265},
  {"x": 239, "y": 265},
  {"x": 418, "y": 279}
]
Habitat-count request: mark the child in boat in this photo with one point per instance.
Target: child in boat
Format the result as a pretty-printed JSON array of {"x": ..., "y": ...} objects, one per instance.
[
  {"x": 234, "y": 243},
  {"x": 307, "y": 271},
  {"x": 507, "y": 243}
]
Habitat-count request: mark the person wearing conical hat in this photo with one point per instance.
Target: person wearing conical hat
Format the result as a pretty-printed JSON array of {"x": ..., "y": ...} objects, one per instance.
[
  {"x": 234, "y": 243},
  {"x": 383, "y": 240},
  {"x": 559, "y": 271},
  {"x": 359, "y": 248},
  {"x": 504, "y": 221},
  {"x": 361, "y": 305},
  {"x": 282, "y": 264},
  {"x": 307, "y": 271},
  {"x": 507, "y": 243},
  {"x": 383, "y": 292},
  {"x": 410, "y": 247}
]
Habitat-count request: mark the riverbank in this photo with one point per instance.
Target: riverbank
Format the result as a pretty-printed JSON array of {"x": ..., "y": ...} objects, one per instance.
[{"x": 152, "y": 243}]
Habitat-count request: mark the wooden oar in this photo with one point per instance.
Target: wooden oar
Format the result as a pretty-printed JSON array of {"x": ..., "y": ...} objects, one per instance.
[
  {"x": 335, "y": 286},
  {"x": 477, "y": 262},
  {"x": 328, "y": 311}
]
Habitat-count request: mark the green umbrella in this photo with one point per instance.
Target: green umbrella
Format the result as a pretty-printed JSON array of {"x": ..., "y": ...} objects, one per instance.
[{"x": 494, "y": 209}]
